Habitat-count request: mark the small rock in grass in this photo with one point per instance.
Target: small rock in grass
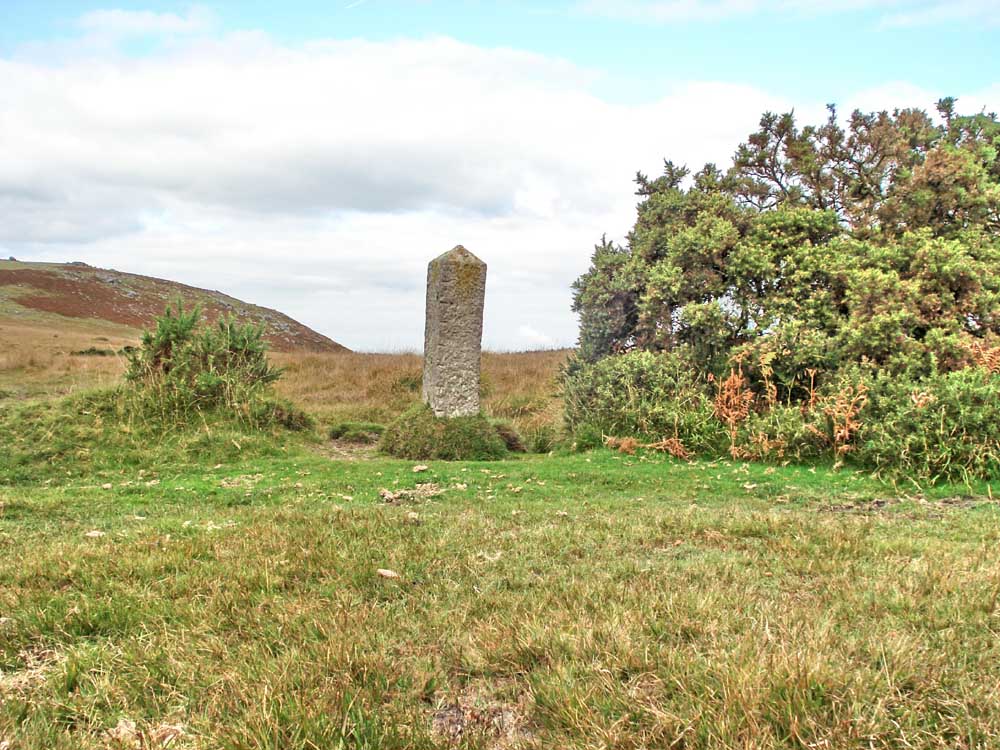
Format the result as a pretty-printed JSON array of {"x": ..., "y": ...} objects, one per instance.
[
  {"x": 413, "y": 517},
  {"x": 390, "y": 574},
  {"x": 125, "y": 733},
  {"x": 95, "y": 534},
  {"x": 107, "y": 486},
  {"x": 419, "y": 468}
]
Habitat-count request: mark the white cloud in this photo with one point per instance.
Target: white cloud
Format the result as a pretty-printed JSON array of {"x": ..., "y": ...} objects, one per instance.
[
  {"x": 319, "y": 179},
  {"x": 535, "y": 339},
  {"x": 894, "y": 12},
  {"x": 123, "y": 23},
  {"x": 937, "y": 13}
]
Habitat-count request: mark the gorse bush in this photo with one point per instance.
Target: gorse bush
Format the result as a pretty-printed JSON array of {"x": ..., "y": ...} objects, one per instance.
[
  {"x": 640, "y": 394},
  {"x": 940, "y": 428},
  {"x": 799, "y": 300},
  {"x": 876, "y": 242},
  {"x": 182, "y": 367},
  {"x": 946, "y": 427}
]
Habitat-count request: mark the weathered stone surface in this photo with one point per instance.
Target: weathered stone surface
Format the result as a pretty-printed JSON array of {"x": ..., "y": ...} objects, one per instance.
[{"x": 456, "y": 292}]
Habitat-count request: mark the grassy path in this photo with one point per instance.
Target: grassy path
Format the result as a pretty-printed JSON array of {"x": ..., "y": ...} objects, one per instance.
[{"x": 583, "y": 601}]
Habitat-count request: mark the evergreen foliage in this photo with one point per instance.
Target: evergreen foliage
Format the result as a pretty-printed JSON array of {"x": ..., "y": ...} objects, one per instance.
[
  {"x": 875, "y": 242},
  {"x": 834, "y": 278}
]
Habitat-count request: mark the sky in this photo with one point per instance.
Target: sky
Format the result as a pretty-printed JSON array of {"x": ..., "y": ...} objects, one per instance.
[{"x": 313, "y": 156}]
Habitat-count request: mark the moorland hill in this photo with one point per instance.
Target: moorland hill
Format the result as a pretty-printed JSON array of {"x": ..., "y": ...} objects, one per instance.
[{"x": 76, "y": 299}]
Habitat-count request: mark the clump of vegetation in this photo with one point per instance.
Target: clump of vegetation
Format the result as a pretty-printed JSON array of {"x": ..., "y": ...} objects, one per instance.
[
  {"x": 183, "y": 368},
  {"x": 942, "y": 428},
  {"x": 643, "y": 395},
  {"x": 829, "y": 258},
  {"x": 357, "y": 432},
  {"x": 193, "y": 394},
  {"x": 419, "y": 435}
]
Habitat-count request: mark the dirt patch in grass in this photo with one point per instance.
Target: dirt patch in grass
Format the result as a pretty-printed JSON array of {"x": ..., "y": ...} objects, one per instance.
[
  {"x": 37, "y": 664},
  {"x": 864, "y": 507},
  {"x": 478, "y": 712},
  {"x": 882, "y": 504},
  {"x": 344, "y": 450},
  {"x": 417, "y": 494}
]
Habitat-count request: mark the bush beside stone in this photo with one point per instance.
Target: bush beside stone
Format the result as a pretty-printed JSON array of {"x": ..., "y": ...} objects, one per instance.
[{"x": 418, "y": 435}]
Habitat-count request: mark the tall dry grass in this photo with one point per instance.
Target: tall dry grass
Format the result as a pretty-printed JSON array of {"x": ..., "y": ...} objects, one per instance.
[
  {"x": 521, "y": 387},
  {"x": 38, "y": 361}
]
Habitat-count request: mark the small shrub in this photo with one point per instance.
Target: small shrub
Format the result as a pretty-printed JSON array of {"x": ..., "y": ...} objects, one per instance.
[
  {"x": 280, "y": 413},
  {"x": 181, "y": 368},
  {"x": 357, "y": 432},
  {"x": 783, "y": 432},
  {"x": 541, "y": 439},
  {"x": 419, "y": 435},
  {"x": 644, "y": 395}
]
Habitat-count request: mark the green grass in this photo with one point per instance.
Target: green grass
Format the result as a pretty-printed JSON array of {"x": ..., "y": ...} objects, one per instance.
[{"x": 588, "y": 601}]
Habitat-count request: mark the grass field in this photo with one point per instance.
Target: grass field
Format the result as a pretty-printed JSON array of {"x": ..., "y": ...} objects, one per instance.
[
  {"x": 574, "y": 601},
  {"x": 209, "y": 589}
]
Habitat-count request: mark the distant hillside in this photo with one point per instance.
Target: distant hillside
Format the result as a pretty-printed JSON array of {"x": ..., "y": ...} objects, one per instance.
[{"x": 62, "y": 295}]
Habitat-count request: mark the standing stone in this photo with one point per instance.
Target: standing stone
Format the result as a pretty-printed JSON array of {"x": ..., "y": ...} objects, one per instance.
[{"x": 456, "y": 291}]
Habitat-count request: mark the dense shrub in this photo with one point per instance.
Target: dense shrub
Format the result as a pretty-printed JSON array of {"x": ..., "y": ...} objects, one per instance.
[
  {"x": 182, "y": 368},
  {"x": 785, "y": 432},
  {"x": 419, "y": 435},
  {"x": 836, "y": 291},
  {"x": 945, "y": 427},
  {"x": 640, "y": 394},
  {"x": 829, "y": 245}
]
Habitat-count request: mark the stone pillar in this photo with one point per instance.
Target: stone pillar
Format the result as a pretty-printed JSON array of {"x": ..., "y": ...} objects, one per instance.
[{"x": 456, "y": 291}]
